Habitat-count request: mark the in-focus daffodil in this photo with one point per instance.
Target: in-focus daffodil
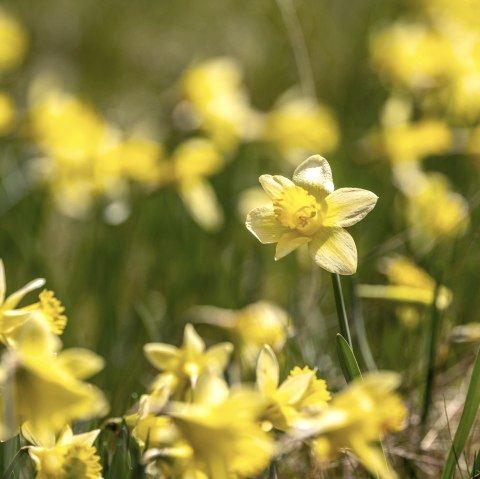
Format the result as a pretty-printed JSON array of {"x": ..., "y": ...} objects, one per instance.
[
  {"x": 43, "y": 386},
  {"x": 185, "y": 364},
  {"x": 222, "y": 427},
  {"x": 356, "y": 419},
  {"x": 249, "y": 328},
  {"x": 71, "y": 456},
  {"x": 307, "y": 210},
  {"x": 301, "y": 394}
]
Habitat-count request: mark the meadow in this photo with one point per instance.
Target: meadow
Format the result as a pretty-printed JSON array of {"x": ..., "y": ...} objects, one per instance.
[{"x": 239, "y": 239}]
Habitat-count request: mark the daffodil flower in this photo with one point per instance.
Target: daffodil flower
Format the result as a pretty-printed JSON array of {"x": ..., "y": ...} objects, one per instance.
[
  {"x": 72, "y": 456},
  {"x": 355, "y": 419},
  {"x": 185, "y": 364},
  {"x": 302, "y": 393},
  {"x": 11, "y": 318},
  {"x": 222, "y": 427},
  {"x": 43, "y": 386},
  {"x": 307, "y": 210}
]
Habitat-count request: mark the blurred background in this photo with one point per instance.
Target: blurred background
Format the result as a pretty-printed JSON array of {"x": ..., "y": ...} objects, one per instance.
[{"x": 133, "y": 135}]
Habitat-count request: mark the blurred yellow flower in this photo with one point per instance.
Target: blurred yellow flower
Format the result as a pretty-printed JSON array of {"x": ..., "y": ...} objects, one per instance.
[
  {"x": 299, "y": 127},
  {"x": 218, "y": 103},
  {"x": 223, "y": 429},
  {"x": 307, "y": 210},
  {"x": 8, "y": 113},
  {"x": 301, "y": 394},
  {"x": 13, "y": 41},
  {"x": 356, "y": 419},
  {"x": 72, "y": 456},
  {"x": 409, "y": 283},
  {"x": 184, "y": 365},
  {"x": 249, "y": 328},
  {"x": 43, "y": 387}
]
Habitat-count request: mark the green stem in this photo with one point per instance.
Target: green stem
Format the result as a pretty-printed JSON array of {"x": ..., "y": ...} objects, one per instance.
[{"x": 341, "y": 312}]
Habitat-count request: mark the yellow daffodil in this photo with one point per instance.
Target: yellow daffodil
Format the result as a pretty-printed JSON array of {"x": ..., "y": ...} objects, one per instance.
[
  {"x": 42, "y": 385},
  {"x": 72, "y": 456},
  {"x": 302, "y": 393},
  {"x": 222, "y": 428},
  {"x": 13, "y": 41},
  {"x": 10, "y": 317},
  {"x": 298, "y": 127},
  {"x": 184, "y": 365},
  {"x": 218, "y": 103},
  {"x": 249, "y": 328},
  {"x": 356, "y": 419},
  {"x": 408, "y": 284},
  {"x": 307, "y": 210}
]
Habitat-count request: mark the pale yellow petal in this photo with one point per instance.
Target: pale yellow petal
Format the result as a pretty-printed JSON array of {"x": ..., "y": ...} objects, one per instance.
[
  {"x": 267, "y": 371},
  {"x": 273, "y": 185},
  {"x": 314, "y": 175},
  {"x": 80, "y": 363},
  {"x": 31, "y": 437},
  {"x": 87, "y": 438},
  {"x": 12, "y": 301},
  {"x": 35, "y": 339},
  {"x": 210, "y": 390},
  {"x": 218, "y": 356},
  {"x": 161, "y": 356},
  {"x": 289, "y": 242},
  {"x": 201, "y": 202},
  {"x": 371, "y": 457},
  {"x": 192, "y": 342},
  {"x": 263, "y": 224},
  {"x": 334, "y": 250},
  {"x": 347, "y": 206},
  {"x": 293, "y": 388}
]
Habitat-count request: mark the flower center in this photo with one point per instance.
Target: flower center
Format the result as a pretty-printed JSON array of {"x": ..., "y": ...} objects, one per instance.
[{"x": 296, "y": 209}]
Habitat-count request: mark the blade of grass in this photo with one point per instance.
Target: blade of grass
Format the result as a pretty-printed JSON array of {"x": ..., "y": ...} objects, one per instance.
[{"x": 470, "y": 409}]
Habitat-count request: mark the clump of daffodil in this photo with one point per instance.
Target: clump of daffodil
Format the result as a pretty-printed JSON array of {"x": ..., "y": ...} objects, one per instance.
[
  {"x": 301, "y": 394},
  {"x": 355, "y": 420},
  {"x": 249, "y": 328},
  {"x": 298, "y": 127},
  {"x": 71, "y": 456},
  {"x": 185, "y": 364},
  {"x": 409, "y": 284},
  {"x": 307, "y": 210},
  {"x": 191, "y": 163},
  {"x": 222, "y": 427},
  {"x": 8, "y": 113},
  {"x": 13, "y": 41},
  {"x": 43, "y": 386}
]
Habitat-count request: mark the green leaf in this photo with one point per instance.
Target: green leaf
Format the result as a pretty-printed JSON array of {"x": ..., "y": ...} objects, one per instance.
[
  {"x": 348, "y": 363},
  {"x": 472, "y": 403}
]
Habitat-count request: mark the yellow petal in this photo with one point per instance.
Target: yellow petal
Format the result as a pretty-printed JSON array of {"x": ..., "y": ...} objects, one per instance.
[
  {"x": 289, "y": 242},
  {"x": 87, "y": 438},
  {"x": 162, "y": 356},
  {"x": 192, "y": 342},
  {"x": 314, "y": 175},
  {"x": 16, "y": 297},
  {"x": 210, "y": 390},
  {"x": 263, "y": 224},
  {"x": 80, "y": 363},
  {"x": 218, "y": 356},
  {"x": 293, "y": 388},
  {"x": 347, "y": 206},
  {"x": 334, "y": 250},
  {"x": 201, "y": 202},
  {"x": 273, "y": 185},
  {"x": 267, "y": 371}
]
